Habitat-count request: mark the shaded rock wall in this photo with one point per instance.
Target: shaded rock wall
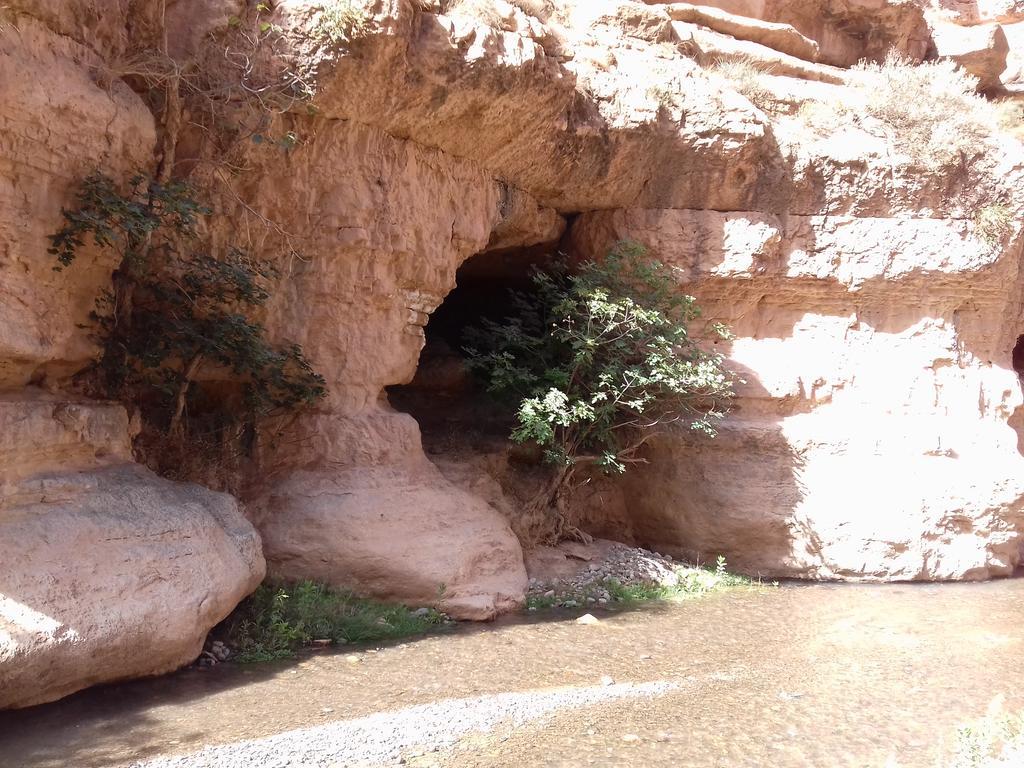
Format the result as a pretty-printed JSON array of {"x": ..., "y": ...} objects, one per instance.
[{"x": 106, "y": 571}]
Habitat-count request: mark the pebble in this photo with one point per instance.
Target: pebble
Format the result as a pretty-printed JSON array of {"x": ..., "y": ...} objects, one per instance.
[
  {"x": 622, "y": 564},
  {"x": 588, "y": 619},
  {"x": 380, "y": 739},
  {"x": 607, "y": 680},
  {"x": 352, "y": 659}
]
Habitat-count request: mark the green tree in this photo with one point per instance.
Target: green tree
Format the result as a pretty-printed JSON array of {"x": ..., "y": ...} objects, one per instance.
[
  {"x": 175, "y": 309},
  {"x": 600, "y": 362}
]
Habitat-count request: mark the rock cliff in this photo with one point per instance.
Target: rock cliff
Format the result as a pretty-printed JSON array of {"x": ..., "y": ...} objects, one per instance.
[{"x": 869, "y": 271}]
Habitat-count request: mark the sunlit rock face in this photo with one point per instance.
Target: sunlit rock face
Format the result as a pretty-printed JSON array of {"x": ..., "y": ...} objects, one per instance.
[{"x": 873, "y": 432}]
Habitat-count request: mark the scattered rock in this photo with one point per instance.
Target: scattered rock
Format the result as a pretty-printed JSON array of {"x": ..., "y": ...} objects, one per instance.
[
  {"x": 588, "y": 618},
  {"x": 606, "y": 562}
]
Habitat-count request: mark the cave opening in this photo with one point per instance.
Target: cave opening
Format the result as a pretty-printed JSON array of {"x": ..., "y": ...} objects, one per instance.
[
  {"x": 1017, "y": 358},
  {"x": 451, "y": 405}
]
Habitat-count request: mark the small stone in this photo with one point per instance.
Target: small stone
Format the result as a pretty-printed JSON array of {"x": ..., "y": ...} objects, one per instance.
[
  {"x": 327, "y": 710},
  {"x": 352, "y": 659},
  {"x": 421, "y": 612},
  {"x": 570, "y": 604},
  {"x": 602, "y": 601},
  {"x": 645, "y": 657},
  {"x": 588, "y": 619},
  {"x": 593, "y": 567},
  {"x": 549, "y": 593},
  {"x": 607, "y": 680},
  {"x": 631, "y": 737},
  {"x": 591, "y": 600}
]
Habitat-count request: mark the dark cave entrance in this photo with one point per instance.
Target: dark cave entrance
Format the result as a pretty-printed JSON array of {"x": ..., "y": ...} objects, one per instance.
[
  {"x": 449, "y": 402},
  {"x": 1018, "y": 357},
  {"x": 1016, "y": 420}
]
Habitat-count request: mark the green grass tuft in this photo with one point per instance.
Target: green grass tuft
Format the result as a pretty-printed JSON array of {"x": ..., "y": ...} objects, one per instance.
[
  {"x": 994, "y": 741},
  {"x": 992, "y": 223},
  {"x": 692, "y": 581},
  {"x": 276, "y": 621}
]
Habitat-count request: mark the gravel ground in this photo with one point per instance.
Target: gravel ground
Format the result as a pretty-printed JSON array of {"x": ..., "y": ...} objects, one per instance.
[
  {"x": 381, "y": 739},
  {"x": 629, "y": 566}
]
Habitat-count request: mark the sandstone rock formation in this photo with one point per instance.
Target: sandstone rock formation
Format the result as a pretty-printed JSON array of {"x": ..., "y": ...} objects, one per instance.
[
  {"x": 875, "y": 295},
  {"x": 981, "y": 50},
  {"x": 878, "y": 409},
  {"x": 108, "y": 572}
]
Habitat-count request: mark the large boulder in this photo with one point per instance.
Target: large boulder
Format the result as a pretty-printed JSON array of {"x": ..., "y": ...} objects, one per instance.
[
  {"x": 390, "y": 525},
  {"x": 107, "y": 572},
  {"x": 981, "y": 50}
]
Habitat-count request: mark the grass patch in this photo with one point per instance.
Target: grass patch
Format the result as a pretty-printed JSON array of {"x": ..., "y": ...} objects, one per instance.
[
  {"x": 746, "y": 76},
  {"x": 995, "y": 741},
  {"x": 691, "y": 581},
  {"x": 992, "y": 223},
  {"x": 342, "y": 21},
  {"x": 276, "y": 621},
  {"x": 932, "y": 110}
]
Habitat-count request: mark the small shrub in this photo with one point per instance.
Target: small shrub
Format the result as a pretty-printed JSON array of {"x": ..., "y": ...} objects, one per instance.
[
  {"x": 746, "y": 76},
  {"x": 276, "y": 621},
  {"x": 932, "y": 110},
  {"x": 174, "y": 308},
  {"x": 992, "y": 223},
  {"x": 665, "y": 96},
  {"x": 485, "y": 11},
  {"x": 342, "y": 21},
  {"x": 1010, "y": 117},
  {"x": 994, "y": 741},
  {"x": 600, "y": 362}
]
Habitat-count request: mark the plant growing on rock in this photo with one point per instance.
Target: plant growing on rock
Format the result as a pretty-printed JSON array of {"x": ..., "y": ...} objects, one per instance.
[
  {"x": 992, "y": 223},
  {"x": 601, "y": 361},
  {"x": 932, "y": 111},
  {"x": 342, "y": 21},
  {"x": 175, "y": 310},
  {"x": 276, "y": 621},
  {"x": 747, "y": 76}
]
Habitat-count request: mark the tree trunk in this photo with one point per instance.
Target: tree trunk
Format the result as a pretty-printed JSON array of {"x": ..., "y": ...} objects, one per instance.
[
  {"x": 174, "y": 428},
  {"x": 551, "y": 502}
]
